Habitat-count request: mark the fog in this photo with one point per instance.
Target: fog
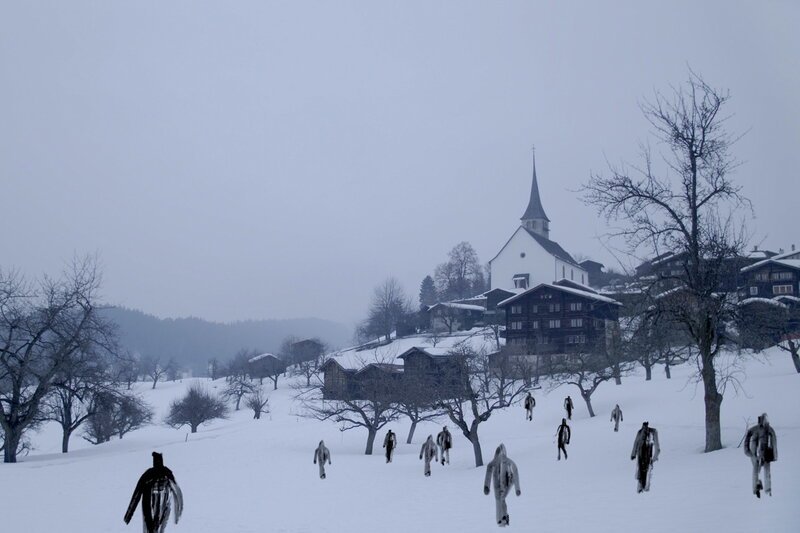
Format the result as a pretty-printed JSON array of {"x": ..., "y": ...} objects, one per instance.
[{"x": 279, "y": 159}]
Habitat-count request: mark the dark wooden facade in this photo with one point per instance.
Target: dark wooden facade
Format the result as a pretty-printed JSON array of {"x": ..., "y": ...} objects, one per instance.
[
  {"x": 558, "y": 319},
  {"x": 772, "y": 278}
]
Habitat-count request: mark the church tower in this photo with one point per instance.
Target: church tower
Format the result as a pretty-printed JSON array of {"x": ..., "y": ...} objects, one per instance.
[{"x": 534, "y": 219}]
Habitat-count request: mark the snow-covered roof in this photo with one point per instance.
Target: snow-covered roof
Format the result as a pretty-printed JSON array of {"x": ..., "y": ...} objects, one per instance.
[
  {"x": 789, "y": 259},
  {"x": 262, "y": 356},
  {"x": 456, "y": 305},
  {"x": 768, "y": 301},
  {"x": 478, "y": 339},
  {"x": 592, "y": 295},
  {"x": 788, "y": 298}
]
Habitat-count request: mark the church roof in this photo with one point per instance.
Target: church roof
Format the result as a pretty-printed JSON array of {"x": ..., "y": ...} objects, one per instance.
[
  {"x": 552, "y": 247},
  {"x": 535, "y": 209}
]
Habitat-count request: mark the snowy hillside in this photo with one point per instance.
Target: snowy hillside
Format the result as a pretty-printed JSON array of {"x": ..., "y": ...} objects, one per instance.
[{"x": 243, "y": 475}]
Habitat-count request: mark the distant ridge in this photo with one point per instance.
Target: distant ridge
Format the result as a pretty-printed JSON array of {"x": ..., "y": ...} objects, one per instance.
[{"x": 193, "y": 341}]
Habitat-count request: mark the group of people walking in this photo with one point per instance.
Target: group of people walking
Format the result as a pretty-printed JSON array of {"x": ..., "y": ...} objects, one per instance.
[{"x": 158, "y": 490}]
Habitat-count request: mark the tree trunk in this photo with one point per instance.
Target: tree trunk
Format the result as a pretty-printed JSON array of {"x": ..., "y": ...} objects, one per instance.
[
  {"x": 238, "y": 401},
  {"x": 257, "y": 415},
  {"x": 154, "y": 382},
  {"x": 588, "y": 400},
  {"x": 370, "y": 440},
  {"x": 11, "y": 444},
  {"x": 194, "y": 428},
  {"x": 713, "y": 402},
  {"x": 648, "y": 372},
  {"x": 65, "y": 440},
  {"x": 476, "y": 447},
  {"x": 796, "y": 357},
  {"x": 411, "y": 431},
  {"x": 667, "y": 371},
  {"x": 617, "y": 374}
]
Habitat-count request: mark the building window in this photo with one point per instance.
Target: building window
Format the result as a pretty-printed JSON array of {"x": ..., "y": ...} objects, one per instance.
[
  {"x": 555, "y": 308},
  {"x": 582, "y": 282},
  {"x": 572, "y": 274},
  {"x": 542, "y": 340},
  {"x": 563, "y": 271},
  {"x": 522, "y": 255},
  {"x": 576, "y": 306},
  {"x": 782, "y": 289},
  {"x": 520, "y": 283},
  {"x": 535, "y": 324},
  {"x": 555, "y": 323},
  {"x": 518, "y": 340},
  {"x": 753, "y": 291},
  {"x": 546, "y": 296},
  {"x": 576, "y": 339},
  {"x": 516, "y": 309},
  {"x": 781, "y": 276},
  {"x": 534, "y": 309},
  {"x": 576, "y": 323},
  {"x": 762, "y": 276},
  {"x": 516, "y": 325}
]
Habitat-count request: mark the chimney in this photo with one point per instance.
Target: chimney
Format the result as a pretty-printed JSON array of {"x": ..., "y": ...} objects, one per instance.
[
  {"x": 793, "y": 247},
  {"x": 755, "y": 247},
  {"x": 780, "y": 250}
]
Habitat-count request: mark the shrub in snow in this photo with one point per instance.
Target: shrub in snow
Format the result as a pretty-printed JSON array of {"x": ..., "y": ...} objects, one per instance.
[{"x": 197, "y": 407}]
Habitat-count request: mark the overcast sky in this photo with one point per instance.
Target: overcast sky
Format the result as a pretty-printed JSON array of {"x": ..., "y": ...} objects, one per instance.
[{"x": 235, "y": 160}]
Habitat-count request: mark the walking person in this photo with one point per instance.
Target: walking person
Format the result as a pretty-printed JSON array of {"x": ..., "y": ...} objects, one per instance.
[
  {"x": 390, "y": 443},
  {"x": 428, "y": 453},
  {"x": 530, "y": 403},
  {"x": 502, "y": 472},
  {"x": 444, "y": 440},
  {"x": 563, "y": 434},
  {"x": 569, "y": 407},
  {"x": 645, "y": 450},
  {"x": 616, "y": 417},
  {"x": 321, "y": 455},
  {"x": 156, "y": 488},
  {"x": 761, "y": 446}
]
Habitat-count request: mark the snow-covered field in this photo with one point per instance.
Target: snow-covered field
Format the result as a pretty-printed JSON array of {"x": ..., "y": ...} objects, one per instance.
[{"x": 244, "y": 475}]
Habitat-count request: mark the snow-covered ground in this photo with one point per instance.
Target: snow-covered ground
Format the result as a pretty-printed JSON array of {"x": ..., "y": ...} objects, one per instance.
[{"x": 244, "y": 475}]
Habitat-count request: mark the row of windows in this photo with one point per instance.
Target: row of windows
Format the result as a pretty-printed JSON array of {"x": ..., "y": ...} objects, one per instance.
[
  {"x": 776, "y": 289},
  {"x": 576, "y": 339},
  {"x": 552, "y": 308},
  {"x": 571, "y": 339},
  {"x": 774, "y": 276},
  {"x": 516, "y": 325}
]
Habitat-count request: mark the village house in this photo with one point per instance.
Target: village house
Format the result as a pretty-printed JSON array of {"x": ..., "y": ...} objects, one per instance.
[{"x": 556, "y": 319}]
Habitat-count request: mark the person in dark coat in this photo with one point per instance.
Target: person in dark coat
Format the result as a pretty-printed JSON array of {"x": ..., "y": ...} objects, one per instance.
[
  {"x": 569, "y": 407},
  {"x": 321, "y": 455},
  {"x": 444, "y": 440},
  {"x": 645, "y": 450},
  {"x": 761, "y": 446},
  {"x": 428, "y": 453},
  {"x": 156, "y": 488},
  {"x": 530, "y": 403},
  {"x": 502, "y": 472},
  {"x": 563, "y": 434},
  {"x": 390, "y": 443},
  {"x": 616, "y": 417}
]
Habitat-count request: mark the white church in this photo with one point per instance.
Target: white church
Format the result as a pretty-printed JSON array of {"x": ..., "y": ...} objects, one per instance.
[{"x": 529, "y": 257}]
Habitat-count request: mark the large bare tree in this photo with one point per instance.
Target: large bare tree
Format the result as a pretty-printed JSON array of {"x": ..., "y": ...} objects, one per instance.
[
  {"x": 685, "y": 206},
  {"x": 43, "y": 329},
  {"x": 485, "y": 385}
]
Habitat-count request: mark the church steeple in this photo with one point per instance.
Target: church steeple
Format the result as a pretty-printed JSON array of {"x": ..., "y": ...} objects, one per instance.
[{"x": 534, "y": 218}]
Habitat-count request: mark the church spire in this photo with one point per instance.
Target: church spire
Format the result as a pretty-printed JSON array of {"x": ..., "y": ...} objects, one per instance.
[{"x": 534, "y": 218}]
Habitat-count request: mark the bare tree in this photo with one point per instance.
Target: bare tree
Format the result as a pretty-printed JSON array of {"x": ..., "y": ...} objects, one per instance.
[
  {"x": 389, "y": 308},
  {"x": 372, "y": 407},
  {"x": 197, "y": 407},
  {"x": 460, "y": 274},
  {"x": 417, "y": 401},
  {"x": 586, "y": 370},
  {"x": 214, "y": 368},
  {"x": 125, "y": 369},
  {"x": 477, "y": 389},
  {"x": 258, "y": 402},
  {"x": 115, "y": 413},
  {"x": 153, "y": 368},
  {"x": 42, "y": 329},
  {"x": 691, "y": 214},
  {"x": 172, "y": 370},
  {"x": 70, "y": 401},
  {"x": 308, "y": 364},
  {"x": 237, "y": 386},
  {"x": 767, "y": 323}
]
